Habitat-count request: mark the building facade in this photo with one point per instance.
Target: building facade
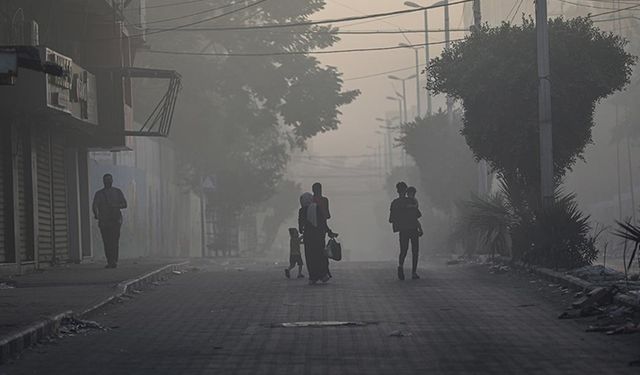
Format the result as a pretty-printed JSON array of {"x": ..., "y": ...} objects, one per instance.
[{"x": 71, "y": 93}]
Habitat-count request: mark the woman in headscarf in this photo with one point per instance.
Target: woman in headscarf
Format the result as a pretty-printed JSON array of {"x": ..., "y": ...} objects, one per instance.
[{"x": 313, "y": 226}]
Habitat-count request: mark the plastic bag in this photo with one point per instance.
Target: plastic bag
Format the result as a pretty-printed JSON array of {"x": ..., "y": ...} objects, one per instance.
[{"x": 333, "y": 250}]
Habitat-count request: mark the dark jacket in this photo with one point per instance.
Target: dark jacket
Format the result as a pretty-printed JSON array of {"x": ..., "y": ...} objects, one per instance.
[
  {"x": 107, "y": 203},
  {"x": 404, "y": 214}
]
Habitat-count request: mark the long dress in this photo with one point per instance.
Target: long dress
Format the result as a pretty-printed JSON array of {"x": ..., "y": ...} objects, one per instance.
[{"x": 314, "y": 243}]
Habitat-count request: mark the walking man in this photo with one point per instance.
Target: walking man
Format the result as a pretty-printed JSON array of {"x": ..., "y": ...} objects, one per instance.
[
  {"x": 403, "y": 216},
  {"x": 107, "y": 203}
]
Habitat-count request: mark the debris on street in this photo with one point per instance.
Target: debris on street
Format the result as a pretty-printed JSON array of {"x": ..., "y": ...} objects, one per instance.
[
  {"x": 498, "y": 269},
  {"x": 6, "y": 286},
  {"x": 321, "y": 324},
  {"x": 607, "y": 317},
  {"x": 72, "y": 326},
  {"x": 597, "y": 296},
  {"x": 399, "y": 333},
  {"x": 597, "y": 273}
]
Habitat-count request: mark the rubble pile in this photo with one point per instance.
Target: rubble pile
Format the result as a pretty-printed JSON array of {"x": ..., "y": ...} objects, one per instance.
[{"x": 608, "y": 317}]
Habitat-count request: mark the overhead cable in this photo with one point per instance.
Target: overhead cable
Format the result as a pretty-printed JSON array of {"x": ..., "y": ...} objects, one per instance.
[
  {"x": 283, "y": 53},
  {"x": 306, "y": 23}
]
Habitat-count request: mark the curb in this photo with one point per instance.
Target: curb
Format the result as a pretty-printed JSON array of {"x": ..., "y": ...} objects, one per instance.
[
  {"x": 572, "y": 282},
  {"x": 14, "y": 343}
]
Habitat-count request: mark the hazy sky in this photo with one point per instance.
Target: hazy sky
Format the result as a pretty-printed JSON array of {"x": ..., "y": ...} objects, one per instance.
[{"x": 358, "y": 125}]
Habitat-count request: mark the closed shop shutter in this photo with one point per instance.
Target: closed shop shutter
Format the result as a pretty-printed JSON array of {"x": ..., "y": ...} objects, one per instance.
[
  {"x": 22, "y": 240},
  {"x": 60, "y": 207},
  {"x": 45, "y": 218},
  {"x": 4, "y": 156}
]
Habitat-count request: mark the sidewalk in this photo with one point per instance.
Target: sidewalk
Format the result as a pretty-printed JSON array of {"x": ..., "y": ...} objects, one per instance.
[{"x": 26, "y": 299}]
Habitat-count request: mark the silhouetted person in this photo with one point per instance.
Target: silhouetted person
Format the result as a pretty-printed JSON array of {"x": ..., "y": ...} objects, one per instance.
[
  {"x": 404, "y": 215},
  {"x": 312, "y": 223},
  {"x": 107, "y": 203},
  {"x": 323, "y": 205},
  {"x": 295, "y": 256}
]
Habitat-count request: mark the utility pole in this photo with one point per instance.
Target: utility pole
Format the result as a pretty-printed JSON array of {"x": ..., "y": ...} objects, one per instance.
[
  {"x": 427, "y": 58},
  {"x": 626, "y": 133},
  {"x": 418, "y": 84},
  {"x": 203, "y": 219},
  {"x": 447, "y": 44},
  {"x": 544, "y": 105},
  {"x": 477, "y": 14},
  {"x": 483, "y": 169},
  {"x": 404, "y": 102}
]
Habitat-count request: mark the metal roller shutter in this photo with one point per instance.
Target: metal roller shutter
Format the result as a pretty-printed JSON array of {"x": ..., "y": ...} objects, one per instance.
[
  {"x": 59, "y": 195},
  {"x": 4, "y": 155},
  {"x": 45, "y": 218},
  {"x": 26, "y": 254}
]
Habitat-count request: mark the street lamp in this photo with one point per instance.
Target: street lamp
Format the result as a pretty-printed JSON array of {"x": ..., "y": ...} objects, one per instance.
[
  {"x": 405, "y": 45},
  {"x": 399, "y": 105},
  {"x": 387, "y": 138},
  {"x": 447, "y": 38},
  {"x": 404, "y": 92},
  {"x": 426, "y": 48}
]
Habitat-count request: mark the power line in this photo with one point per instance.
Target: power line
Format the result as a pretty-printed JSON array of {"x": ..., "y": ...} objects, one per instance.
[
  {"x": 584, "y": 5},
  {"x": 258, "y": 2},
  {"x": 337, "y": 32},
  {"x": 298, "y": 24},
  {"x": 401, "y": 29},
  {"x": 382, "y": 73},
  {"x": 168, "y": 5},
  {"x": 283, "y": 53},
  {"x": 613, "y": 11},
  {"x": 190, "y": 15},
  {"x": 515, "y": 13},
  {"x": 618, "y": 19}
]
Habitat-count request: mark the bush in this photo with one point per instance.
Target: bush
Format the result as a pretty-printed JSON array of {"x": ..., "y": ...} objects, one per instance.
[
  {"x": 485, "y": 222},
  {"x": 560, "y": 236}
]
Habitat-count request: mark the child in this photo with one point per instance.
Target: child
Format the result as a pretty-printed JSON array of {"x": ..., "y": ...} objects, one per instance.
[
  {"x": 411, "y": 193},
  {"x": 295, "y": 257}
]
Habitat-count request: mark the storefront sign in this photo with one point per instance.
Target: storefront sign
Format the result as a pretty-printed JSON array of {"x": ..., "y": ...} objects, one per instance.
[{"x": 74, "y": 92}]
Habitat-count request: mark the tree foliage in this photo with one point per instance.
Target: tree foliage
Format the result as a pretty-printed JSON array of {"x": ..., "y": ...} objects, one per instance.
[
  {"x": 239, "y": 117},
  {"x": 446, "y": 164},
  {"x": 493, "y": 72}
]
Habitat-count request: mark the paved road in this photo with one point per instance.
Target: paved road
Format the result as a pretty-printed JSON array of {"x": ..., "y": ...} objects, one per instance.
[{"x": 461, "y": 320}]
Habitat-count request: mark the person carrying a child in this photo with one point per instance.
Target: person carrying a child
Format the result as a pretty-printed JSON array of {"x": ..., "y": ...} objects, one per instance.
[
  {"x": 404, "y": 215},
  {"x": 295, "y": 256}
]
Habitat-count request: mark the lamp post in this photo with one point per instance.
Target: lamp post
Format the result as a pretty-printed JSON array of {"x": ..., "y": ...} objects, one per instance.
[
  {"x": 397, "y": 99},
  {"x": 447, "y": 44},
  {"x": 426, "y": 48},
  {"x": 417, "y": 77},
  {"x": 388, "y": 143},
  {"x": 404, "y": 93}
]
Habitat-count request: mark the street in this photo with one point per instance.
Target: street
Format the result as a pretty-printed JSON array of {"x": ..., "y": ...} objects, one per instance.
[{"x": 223, "y": 319}]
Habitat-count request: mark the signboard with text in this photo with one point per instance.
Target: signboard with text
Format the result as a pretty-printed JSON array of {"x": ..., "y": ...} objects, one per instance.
[{"x": 74, "y": 92}]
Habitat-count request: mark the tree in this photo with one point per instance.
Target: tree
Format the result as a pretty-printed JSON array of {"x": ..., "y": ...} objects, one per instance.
[
  {"x": 447, "y": 169},
  {"x": 493, "y": 72},
  {"x": 239, "y": 117},
  {"x": 280, "y": 207}
]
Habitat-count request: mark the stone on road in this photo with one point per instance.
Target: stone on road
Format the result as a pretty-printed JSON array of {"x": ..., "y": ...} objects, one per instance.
[{"x": 457, "y": 320}]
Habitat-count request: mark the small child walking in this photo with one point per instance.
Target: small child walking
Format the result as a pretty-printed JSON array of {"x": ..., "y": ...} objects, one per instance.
[{"x": 295, "y": 256}]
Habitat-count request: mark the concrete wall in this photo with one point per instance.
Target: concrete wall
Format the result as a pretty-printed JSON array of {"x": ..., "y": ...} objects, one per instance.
[{"x": 163, "y": 217}]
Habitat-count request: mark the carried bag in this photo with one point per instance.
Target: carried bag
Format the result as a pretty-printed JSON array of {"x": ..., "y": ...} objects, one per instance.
[{"x": 333, "y": 250}]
